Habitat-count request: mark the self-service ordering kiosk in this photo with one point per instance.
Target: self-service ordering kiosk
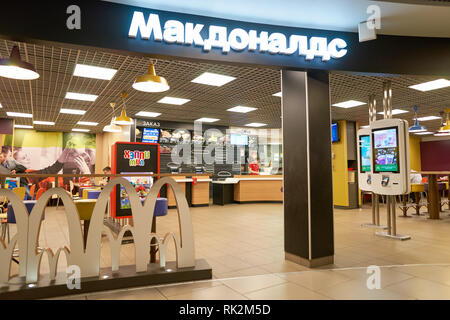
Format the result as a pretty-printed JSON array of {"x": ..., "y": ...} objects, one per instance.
[
  {"x": 386, "y": 142},
  {"x": 365, "y": 159}
]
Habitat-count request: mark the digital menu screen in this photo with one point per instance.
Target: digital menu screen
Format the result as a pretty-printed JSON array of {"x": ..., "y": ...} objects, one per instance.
[
  {"x": 150, "y": 135},
  {"x": 364, "y": 153},
  {"x": 239, "y": 139},
  {"x": 334, "y": 132},
  {"x": 385, "y": 150}
]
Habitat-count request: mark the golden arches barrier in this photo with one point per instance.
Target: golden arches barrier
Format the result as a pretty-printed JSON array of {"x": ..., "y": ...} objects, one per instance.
[{"x": 28, "y": 230}]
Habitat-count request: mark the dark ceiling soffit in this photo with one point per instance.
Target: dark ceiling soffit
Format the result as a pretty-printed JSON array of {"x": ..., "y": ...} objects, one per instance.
[{"x": 105, "y": 25}]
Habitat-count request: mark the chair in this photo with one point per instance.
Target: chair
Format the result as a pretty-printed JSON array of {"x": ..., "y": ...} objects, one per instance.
[
  {"x": 39, "y": 193},
  {"x": 93, "y": 194},
  {"x": 85, "y": 208},
  {"x": 21, "y": 191},
  {"x": 11, "y": 217},
  {"x": 32, "y": 191}
]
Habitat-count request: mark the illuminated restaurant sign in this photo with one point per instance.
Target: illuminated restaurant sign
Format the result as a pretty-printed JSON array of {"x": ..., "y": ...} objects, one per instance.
[{"x": 237, "y": 39}]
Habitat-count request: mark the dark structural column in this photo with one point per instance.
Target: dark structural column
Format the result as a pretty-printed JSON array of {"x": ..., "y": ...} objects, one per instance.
[{"x": 308, "y": 191}]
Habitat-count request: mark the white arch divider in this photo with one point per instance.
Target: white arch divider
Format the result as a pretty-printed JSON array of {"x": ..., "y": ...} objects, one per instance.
[
  {"x": 6, "y": 251},
  {"x": 28, "y": 230}
]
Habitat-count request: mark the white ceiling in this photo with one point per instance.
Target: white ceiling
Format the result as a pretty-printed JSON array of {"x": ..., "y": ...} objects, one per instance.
[{"x": 431, "y": 19}]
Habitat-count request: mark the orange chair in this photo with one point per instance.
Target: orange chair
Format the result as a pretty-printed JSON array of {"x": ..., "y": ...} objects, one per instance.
[
  {"x": 39, "y": 193},
  {"x": 32, "y": 190}
]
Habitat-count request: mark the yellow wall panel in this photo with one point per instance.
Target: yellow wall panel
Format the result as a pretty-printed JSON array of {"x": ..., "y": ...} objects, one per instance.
[{"x": 340, "y": 172}]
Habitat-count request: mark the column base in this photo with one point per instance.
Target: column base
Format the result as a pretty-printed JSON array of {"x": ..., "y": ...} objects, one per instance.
[{"x": 313, "y": 263}]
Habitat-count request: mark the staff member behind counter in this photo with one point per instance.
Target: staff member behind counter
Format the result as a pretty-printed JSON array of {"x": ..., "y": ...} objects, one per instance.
[{"x": 253, "y": 166}]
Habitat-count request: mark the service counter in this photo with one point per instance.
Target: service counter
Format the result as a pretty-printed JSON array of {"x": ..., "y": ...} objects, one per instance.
[
  {"x": 240, "y": 189},
  {"x": 195, "y": 189},
  {"x": 248, "y": 188},
  {"x": 200, "y": 191},
  {"x": 258, "y": 188}
]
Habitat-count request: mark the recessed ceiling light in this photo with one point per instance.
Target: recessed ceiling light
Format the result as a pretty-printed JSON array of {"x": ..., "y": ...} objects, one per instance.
[
  {"x": 81, "y": 96},
  {"x": 176, "y": 101},
  {"x": 423, "y": 133},
  {"x": 213, "y": 79},
  {"x": 22, "y": 126},
  {"x": 86, "y": 123},
  {"x": 72, "y": 111},
  {"x": 207, "y": 120},
  {"x": 349, "y": 104},
  {"x": 148, "y": 114},
  {"x": 83, "y": 70},
  {"x": 429, "y": 118},
  {"x": 19, "y": 114},
  {"x": 241, "y": 109},
  {"x": 80, "y": 130},
  {"x": 395, "y": 111},
  {"x": 1, "y": 106},
  {"x": 279, "y": 94},
  {"x": 364, "y": 127},
  {"x": 44, "y": 123},
  {"x": 256, "y": 124},
  {"x": 431, "y": 85}
]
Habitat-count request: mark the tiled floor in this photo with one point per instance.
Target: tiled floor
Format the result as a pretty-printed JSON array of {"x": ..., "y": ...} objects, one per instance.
[{"x": 244, "y": 245}]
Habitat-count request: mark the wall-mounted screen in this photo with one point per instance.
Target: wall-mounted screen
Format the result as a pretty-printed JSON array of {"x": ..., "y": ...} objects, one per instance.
[
  {"x": 385, "y": 150},
  {"x": 239, "y": 139},
  {"x": 334, "y": 132},
  {"x": 364, "y": 153},
  {"x": 150, "y": 135}
]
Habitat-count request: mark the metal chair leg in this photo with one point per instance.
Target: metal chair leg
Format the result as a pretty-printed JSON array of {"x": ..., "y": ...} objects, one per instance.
[{"x": 7, "y": 230}]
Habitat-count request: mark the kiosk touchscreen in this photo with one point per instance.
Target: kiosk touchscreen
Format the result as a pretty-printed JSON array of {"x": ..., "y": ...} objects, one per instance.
[
  {"x": 390, "y": 157},
  {"x": 365, "y": 159}
]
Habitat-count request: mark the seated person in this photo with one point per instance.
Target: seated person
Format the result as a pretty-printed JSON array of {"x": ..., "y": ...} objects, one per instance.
[
  {"x": 105, "y": 180},
  {"x": 416, "y": 178}
]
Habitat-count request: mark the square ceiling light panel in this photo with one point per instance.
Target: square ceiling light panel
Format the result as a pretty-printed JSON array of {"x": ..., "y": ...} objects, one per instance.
[
  {"x": 428, "y": 118},
  {"x": 431, "y": 85},
  {"x": 423, "y": 133},
  {"x": 81, "y": 96},
  {"x": 22, "y": 126},
  {"x": 87, "y": 123},
  {"x": 80, "y": 130},
  {"x": 86, "y": 71},
  {"x": 256, "y": 125},
  {"x": 395, "y": 111},
  {"x": 175, "y": 101},
  {"x": 148, "y": 114},
  {"x": 19, "y": 114},
  {"x": 349, "y": 104},
  {"x": 213, "y": 79},
  {"x": 207, "y": 120},
  {"x": 242, "y": 109},
  {"x": 72, "y": 111},
  {"x": 44, "y": 123}
]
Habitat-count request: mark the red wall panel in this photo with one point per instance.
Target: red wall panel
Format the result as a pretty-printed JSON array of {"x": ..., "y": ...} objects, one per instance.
[{"x": 435, "y": 155}]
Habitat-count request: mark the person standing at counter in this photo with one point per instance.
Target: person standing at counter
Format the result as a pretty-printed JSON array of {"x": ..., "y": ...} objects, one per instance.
[{"x": 253, "y": 166}]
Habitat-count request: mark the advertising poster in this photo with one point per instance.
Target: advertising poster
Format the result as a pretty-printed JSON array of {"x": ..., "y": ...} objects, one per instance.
[
  {"x": 385, "y": 150},
  {"x": 52, "y": 153}
]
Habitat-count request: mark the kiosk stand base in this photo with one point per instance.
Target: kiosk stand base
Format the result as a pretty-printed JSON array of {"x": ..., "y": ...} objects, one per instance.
[
  {"x": 371, "y": 225},
  {"x": 397, "y": 237}
]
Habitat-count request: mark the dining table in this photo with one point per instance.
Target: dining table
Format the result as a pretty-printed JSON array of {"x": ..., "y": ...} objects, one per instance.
[{"x": 433, "y": 195}]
